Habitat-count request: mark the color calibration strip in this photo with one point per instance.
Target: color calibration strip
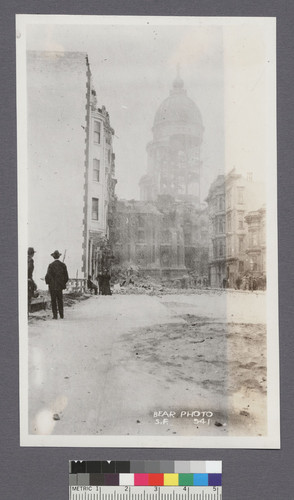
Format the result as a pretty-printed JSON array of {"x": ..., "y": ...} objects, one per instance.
[{"x": 149, "y": 473}]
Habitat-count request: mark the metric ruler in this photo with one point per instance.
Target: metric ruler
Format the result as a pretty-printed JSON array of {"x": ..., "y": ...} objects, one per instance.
[
  {"x": 145, "y": 492},
  {"x": 145, "y": 480}
]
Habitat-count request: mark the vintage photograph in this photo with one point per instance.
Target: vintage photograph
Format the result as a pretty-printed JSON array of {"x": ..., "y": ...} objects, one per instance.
[{"x": 148, "y": 286}]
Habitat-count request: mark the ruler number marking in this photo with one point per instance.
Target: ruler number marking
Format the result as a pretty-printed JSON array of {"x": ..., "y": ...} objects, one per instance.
[{"x": 149, "y": 493}]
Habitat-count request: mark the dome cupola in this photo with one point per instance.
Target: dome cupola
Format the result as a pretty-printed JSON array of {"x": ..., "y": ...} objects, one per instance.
[
  {"x": 174, "y": 162},
  {"x": 177, "y": 113}
]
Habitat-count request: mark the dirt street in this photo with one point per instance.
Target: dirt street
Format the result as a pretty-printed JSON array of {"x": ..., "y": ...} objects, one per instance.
[{"x": 151, "y": 365}]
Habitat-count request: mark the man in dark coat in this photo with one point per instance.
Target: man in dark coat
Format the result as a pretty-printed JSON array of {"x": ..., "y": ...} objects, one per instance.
[
  {"x": 56, "y": 278},
  {"x": 32, "y": 287},
  {"x": 100, "y": 282},
  {"x": 106, "y": 283}
]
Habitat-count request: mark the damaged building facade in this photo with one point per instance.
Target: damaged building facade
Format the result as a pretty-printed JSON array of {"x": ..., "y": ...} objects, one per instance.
[
  {"x": 165, "y": 233},
  {"x": 99, "y": 190},
  {"x": 236, "y": 230},
  {"x": 256, "y": 246},
  {"x": 70, "y": 156}
]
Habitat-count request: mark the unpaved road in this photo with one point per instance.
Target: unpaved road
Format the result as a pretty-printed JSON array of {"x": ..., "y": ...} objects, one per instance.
[{"x": 114, "y": 362}]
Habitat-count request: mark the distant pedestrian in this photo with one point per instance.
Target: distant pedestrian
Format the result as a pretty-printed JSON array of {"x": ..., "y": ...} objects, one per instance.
[
  {"x": 100, "y": 282},
  {"x": 243, "y": 283},
  {"x": 56, "y": 278},
  {"x": 264, "y": 283},
  {"x": 106, "y": 283},
  {"x": 31, "y": 253},
  {"x": 91, "y": 286},
  {"x": 250, "y": 283},
  {"x": 32, "y": 287},
  {"x": 238, "y": 282}
]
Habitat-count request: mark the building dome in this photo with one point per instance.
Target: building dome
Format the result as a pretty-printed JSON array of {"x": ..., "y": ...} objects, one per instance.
[{"x": 178, "y": 108}]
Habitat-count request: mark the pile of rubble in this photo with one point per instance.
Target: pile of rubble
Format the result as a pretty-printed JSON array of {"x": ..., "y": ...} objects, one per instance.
[{"x": 146, "y": 285}]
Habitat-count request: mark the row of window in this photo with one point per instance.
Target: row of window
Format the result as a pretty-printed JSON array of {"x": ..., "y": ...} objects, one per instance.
[
  {"x": 240, "y": 196},
  {"x": 143, "y": 255},
  {"x": 219, "y": 202},
  {"x": 240, "y": 221},
  {"x": 241, "y": 244},
  {"x": 97, "y": 137},
  {"x": 220, "y": 248},
  {"x": 219, "y": 226},
  {"x": 219, "y": 245},
  {"x": 166, "y": 237},
  {"x": 253, "y": 239},
  {"x": 96, "y": 168}
]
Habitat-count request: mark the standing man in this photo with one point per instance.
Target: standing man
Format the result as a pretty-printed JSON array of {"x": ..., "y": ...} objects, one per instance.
[
  {"x": 56, "y": 278},
  {"x": 100, "y": 282},
  {"x": 106, "y": 283},
  {"x": 32, "y": 287}
]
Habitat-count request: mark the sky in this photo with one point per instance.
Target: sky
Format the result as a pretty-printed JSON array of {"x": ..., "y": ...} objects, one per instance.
[{"x": 133, "y": 67}]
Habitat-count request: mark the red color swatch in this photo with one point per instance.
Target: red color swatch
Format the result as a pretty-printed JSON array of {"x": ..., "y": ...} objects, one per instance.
[{"x": 155, "y": 480}]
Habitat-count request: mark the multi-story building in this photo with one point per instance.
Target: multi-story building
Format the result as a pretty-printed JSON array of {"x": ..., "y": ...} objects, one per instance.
[
  {"x": 100, "y": 188},
  {"x": 173, "y": 156},
  {"x": 164, "y": 238},
  {"x": 217, "y": 232},
  {"x": 256, "y": 247},
  {"x": 166, "y": 232},
  {"x": 137, "y": 230},
  {"x": 230, "y": 198},
  {"x": 70, "y": 163}
]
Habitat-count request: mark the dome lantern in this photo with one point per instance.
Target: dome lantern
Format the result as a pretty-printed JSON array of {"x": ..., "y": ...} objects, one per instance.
[
  {"x": 178, "y": 83},
  {"x": 177, "y": 110}
]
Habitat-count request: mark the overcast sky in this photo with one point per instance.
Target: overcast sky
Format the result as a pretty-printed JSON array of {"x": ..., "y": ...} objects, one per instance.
[{"x": 133, "y": 68}]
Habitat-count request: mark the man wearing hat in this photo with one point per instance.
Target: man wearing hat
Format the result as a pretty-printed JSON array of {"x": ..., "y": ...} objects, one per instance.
[
  {"x": 56, "y": 278},
  {"x": 32, "y": 287}
]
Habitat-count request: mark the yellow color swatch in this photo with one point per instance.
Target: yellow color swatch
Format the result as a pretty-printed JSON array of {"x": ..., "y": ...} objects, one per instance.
[{"x": 171, "y": 479}]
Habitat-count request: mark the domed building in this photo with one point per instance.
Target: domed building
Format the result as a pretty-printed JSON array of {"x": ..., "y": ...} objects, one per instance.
[
  {"x": 165, "y": 233},
  {"x": 174, "y": 153}
]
